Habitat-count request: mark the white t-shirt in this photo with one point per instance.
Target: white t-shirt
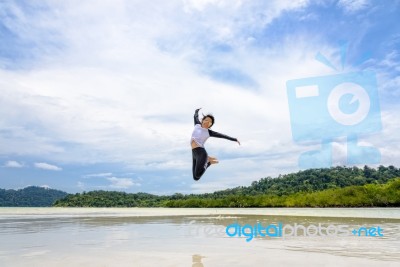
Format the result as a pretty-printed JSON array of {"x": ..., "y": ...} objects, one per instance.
[{"x": 200, "y": 135}]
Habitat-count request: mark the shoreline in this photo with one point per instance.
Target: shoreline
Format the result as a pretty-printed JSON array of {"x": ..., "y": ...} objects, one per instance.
[{"x": 372, "y": 213}]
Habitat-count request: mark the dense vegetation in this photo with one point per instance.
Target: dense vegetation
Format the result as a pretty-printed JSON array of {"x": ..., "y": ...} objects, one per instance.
[
  {"x": 336, "y": 186},
  {"x": 32, "y": 196},
  {"x": 110, "y": 199},
  {"x": 370, "y": 195}
]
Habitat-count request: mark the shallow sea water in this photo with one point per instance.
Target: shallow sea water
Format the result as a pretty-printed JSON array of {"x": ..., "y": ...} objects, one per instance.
[{"x": 198, "y": 237}]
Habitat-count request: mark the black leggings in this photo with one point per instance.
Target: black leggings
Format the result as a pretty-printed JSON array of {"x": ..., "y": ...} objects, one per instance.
[{"x": 200, "y": 164}]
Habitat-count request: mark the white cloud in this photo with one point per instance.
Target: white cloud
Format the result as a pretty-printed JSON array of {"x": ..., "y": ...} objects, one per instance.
[
  {"x": 122, "y": 183},
  {"x": 46, "y": 166},
  {"x": 352, "y": 6},
  {"x": 97, "y": 98},
  {"x": 13, "y": 164},
  {"x": 104, "y": 174}
]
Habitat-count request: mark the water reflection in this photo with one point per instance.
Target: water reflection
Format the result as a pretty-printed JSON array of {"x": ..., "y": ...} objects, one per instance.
[
  {"x": 43, "y": 237},
  {"x": 196, "y": 260}
]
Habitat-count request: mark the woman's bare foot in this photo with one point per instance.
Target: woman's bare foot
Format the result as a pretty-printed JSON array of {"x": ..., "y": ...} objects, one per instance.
[{"x": 213, "y": 160}]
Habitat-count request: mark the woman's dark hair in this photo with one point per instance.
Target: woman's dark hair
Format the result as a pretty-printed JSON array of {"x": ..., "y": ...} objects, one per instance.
[{"x": 210, "y": 116}]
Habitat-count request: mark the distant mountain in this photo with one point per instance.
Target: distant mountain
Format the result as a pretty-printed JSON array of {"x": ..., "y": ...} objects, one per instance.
[{"x": 32, "y": 196}]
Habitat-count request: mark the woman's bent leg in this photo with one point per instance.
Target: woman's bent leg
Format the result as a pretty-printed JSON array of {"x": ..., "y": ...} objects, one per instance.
[{"x": 200, "y": 163}]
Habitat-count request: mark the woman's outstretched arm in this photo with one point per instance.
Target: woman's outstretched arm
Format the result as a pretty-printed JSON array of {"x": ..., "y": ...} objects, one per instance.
[
  {"x": 196, "y": 116},
  {"x": 220, "y": 135}
]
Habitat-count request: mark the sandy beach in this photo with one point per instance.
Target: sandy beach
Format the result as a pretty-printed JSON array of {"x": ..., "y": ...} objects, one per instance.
[{"x": 194, "y": 237}]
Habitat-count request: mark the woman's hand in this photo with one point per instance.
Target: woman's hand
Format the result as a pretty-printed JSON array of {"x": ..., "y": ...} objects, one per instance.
[{"x": 238, "y": 141}]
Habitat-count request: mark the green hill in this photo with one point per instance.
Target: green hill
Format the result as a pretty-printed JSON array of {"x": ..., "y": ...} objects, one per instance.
[
  {"x": 369, "y": 195},
  {"x": 336, "y": 186},
  {"x": 32, "y": 196}
]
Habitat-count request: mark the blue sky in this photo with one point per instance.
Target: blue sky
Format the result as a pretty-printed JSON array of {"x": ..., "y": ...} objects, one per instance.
[{"x": 100, "y": 95}]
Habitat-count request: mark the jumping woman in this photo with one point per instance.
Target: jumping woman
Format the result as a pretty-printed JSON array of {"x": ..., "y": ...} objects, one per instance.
[{"x": 201, "y": 132}]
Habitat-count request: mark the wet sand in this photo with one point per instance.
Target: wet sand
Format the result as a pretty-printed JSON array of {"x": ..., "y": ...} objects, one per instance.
[{"x": 191, "y": 237}]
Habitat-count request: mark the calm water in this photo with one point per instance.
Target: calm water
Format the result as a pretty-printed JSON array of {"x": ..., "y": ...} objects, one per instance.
[{"x": 197, "y": 237}]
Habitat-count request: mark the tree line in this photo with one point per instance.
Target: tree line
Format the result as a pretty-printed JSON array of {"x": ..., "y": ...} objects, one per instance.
[
  {"x": 323, "y": 187},
  {"x": 369, "y": 195}
]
